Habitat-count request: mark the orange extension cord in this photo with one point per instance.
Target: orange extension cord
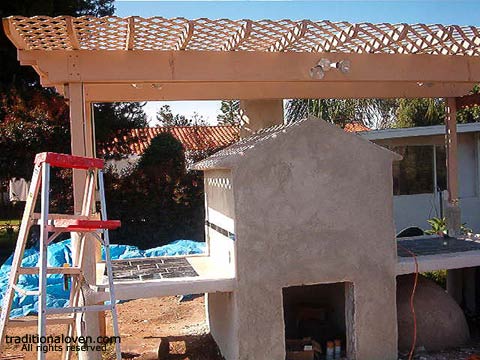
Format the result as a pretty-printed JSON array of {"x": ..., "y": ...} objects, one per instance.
[{"x": 412, "y": 306}]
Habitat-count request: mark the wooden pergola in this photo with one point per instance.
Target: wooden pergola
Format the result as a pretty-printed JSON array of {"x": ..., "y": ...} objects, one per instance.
[
  {"x": 90, "y": 59},
  {"x": 155, "y": 58}
]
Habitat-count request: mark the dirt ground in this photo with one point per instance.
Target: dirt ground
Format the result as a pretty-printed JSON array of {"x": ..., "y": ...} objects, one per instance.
[{"x": 143, "y": 323}]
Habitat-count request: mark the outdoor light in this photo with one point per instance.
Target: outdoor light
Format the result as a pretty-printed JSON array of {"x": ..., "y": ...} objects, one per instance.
[
  {"x": 317, "y": 72},
  {"x": 428, "y": 84},
  {"x": 324, "y": 65},
  {"x": 344, "y": 66},
  {"x": 157, "y": 86},
  {"x": 138, "y": 86}
]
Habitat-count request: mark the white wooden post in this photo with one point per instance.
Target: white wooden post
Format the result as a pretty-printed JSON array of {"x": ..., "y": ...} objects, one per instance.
[
  {"x": 82, "y": 145},
  {"x": 452, "y": 209}
]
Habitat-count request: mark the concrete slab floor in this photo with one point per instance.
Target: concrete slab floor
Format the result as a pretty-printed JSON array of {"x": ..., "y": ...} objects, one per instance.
[{"x": 436, "y": 245}]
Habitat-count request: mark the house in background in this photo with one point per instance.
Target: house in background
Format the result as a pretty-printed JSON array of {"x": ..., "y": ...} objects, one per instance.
[
  {"x": 126, "y": 149},
  {"x": 420, "y": 177},
  {"x": 198, "y": 142}
]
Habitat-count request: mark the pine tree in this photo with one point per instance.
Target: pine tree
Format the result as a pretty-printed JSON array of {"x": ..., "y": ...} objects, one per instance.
[
  {"x": 165, "y": 117},
  {"x": 230, "y": 113}
]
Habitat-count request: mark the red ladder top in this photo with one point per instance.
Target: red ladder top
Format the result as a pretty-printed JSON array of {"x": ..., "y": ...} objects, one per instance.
[{"x": 68, "y": 161}]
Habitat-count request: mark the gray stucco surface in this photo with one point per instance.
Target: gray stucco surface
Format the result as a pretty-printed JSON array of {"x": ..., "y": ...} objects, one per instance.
[{"x": 312, "y": 205}]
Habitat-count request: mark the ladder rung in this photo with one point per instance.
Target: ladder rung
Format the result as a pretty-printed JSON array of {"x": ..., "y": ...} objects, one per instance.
[
  {"x": 51, "y": 270},
  {"x": 79, "y": 309},
  {"x": 36, "y": 217},
  {"x": 68, "y": 161},
  {"x": 26, "y": 292},
  {"x": 67, "y": 225},
  {"x": 34, "y": 322}
]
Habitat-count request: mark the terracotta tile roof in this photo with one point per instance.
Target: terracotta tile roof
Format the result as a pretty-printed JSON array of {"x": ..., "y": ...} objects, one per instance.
[
  {"x": 355, "y": 127},
  {"x": 193, "y": 138}
]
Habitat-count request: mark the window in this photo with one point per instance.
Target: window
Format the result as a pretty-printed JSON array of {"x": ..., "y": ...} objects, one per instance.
[{"x": 421, "y": 171}]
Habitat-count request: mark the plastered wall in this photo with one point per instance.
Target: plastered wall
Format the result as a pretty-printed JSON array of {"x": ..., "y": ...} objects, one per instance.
[
  {"x": 219, "y": 211},
  {"x": 312, "y": 207},
  {"x": 221, "y": 307}
]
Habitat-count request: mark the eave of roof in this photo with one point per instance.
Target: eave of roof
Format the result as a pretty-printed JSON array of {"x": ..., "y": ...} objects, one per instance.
[{"x": 416, "y": 131}]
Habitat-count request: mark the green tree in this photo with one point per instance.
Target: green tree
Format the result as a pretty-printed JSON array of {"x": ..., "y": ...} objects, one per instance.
[
  {"x": 230, "y": 113},
  {"x": 34, "y": 119},
  {"x": 111, "y": 119},
  {"x": 420, "y": 112},
  {"x": 158, "y": 201},
  {"x": 165, "y": 117},
  {"x": 471, "y": 114},
  {"x": 24, "y": 104},
  {"x": 11, "y": 73},
  {"x": 374, "y": 113},
  {"x": 378, "y": 113},
  {"x": 425, "y": 112},
  {"x": 30, "y": 125}
]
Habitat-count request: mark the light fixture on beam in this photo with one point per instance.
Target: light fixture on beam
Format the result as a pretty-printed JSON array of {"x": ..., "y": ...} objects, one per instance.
[
  {"x": 344, "y": 66},
  {"x": 427, "y": 84},
  {"x": 324, "y": 65}
]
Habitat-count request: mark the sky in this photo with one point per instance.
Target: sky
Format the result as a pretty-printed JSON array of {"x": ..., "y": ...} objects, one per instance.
[{"x": 459, "y": 12}]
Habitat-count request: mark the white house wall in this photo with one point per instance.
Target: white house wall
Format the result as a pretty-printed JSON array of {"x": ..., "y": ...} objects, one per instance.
[
  {"x": 467, "y": 166},
  {"x": 415, "y": 210}
]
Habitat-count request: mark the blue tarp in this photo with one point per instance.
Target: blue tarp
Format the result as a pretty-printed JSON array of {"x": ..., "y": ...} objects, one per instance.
[{"x": 60, "y": 253}]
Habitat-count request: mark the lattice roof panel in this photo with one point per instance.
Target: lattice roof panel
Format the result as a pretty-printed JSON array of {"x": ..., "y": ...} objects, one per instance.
[{"x": 157, "y": 33}]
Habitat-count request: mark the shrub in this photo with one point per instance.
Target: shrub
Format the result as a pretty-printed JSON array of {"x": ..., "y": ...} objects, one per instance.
[{"x": 158, "y": 200}]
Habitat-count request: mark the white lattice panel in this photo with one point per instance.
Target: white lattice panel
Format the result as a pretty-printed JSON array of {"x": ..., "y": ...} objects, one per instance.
[{"x": 157, "y": 33}]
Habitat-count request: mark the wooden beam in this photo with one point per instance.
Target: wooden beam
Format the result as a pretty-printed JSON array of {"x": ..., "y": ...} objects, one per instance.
[
  {"x": 72, "y": 34},
  {"x": 242, "y": 66},
  {"x": 13, "y": 35},
  {"x": 240, "y": 36},
  {"x": 468, "y": 100},
  {"x": 290, "y": 38},
  {"x": 452, "y": 152},
  {"x": 130, "y": 41},
  {"x": 269, "y": 90},
  {"x": 186, "y": 36},
  {"x": 388, "y": 39},
  {"x": 430, "y": 41},
  {"x": 340, "y": 39}
]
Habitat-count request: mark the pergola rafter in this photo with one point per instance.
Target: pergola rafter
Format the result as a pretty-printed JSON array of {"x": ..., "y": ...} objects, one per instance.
[
  {"x": 270, "y": 59},
  {"x": 158, "y": 33},
  {"x": 235, "y": 41}
]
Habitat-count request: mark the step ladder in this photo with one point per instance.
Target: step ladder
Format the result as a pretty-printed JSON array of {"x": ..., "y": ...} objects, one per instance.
[{"x": 86, "y": 225}]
